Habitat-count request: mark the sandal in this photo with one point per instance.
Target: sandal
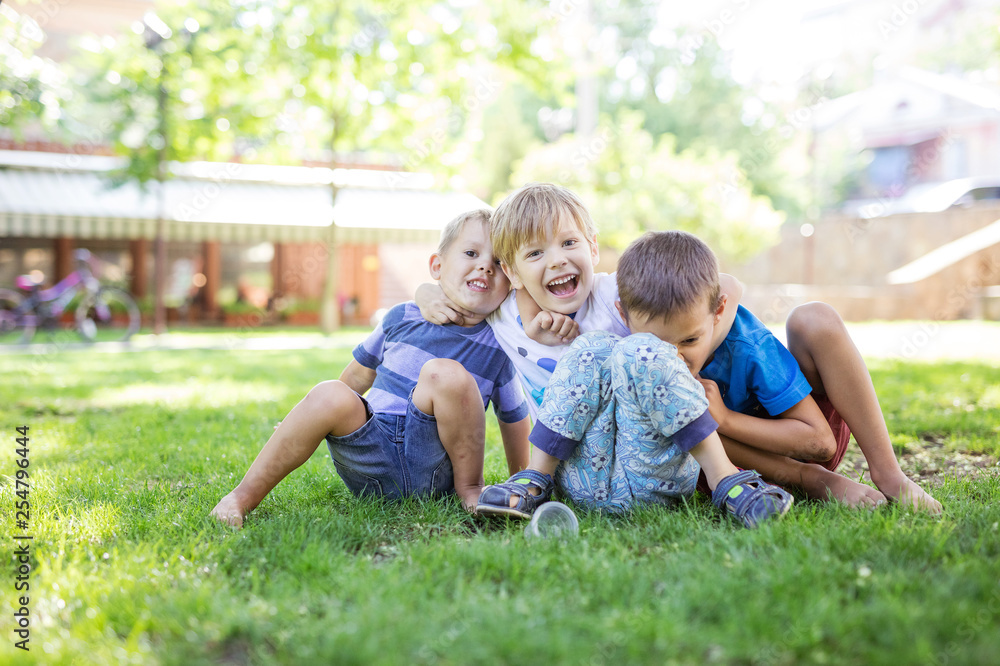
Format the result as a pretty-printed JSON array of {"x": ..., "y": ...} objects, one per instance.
[
  {"x": 750, "y": 498},
  {"x": 495, "y": 500}
]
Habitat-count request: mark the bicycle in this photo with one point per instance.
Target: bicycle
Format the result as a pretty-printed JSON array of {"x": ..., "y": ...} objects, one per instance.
[{"x": 102, "y": 312}]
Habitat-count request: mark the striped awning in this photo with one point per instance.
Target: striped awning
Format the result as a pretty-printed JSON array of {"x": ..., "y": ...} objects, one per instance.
[{"x": 41, "y": 201}]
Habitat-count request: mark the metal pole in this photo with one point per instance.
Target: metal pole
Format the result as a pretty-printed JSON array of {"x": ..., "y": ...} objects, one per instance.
[
  {"x": 586, "y": 81},
  {"x": 159, "y": 245}
]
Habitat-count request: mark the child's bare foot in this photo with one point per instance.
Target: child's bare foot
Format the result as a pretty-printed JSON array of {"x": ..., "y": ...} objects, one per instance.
[
  {"x": 229, "y": 511},
  {"x": 826, "y": 485},
  {"x": 903, "y": 490},
  {"x": 469, "y": 497}
]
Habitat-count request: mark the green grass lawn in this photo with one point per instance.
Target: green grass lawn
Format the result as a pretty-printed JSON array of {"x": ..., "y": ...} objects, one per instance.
[{"x": 130, "y": 452}]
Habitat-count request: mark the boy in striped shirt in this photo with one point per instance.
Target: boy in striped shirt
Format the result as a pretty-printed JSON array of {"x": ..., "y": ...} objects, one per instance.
[{"x": 421, "y": 428}]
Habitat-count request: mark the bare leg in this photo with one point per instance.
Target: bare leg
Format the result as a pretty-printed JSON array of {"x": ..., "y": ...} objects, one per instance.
[
  {"x": 712, "y": 457},
  {"x": 817, "y": 482},
  {"x": 446, "y": 391},
  {"x": 330, "y": 407},
  {"x": 819, "y": 341}
]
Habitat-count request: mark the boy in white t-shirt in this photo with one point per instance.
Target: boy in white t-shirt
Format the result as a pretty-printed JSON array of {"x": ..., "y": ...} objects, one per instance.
[{"x": 619, "y": 419}]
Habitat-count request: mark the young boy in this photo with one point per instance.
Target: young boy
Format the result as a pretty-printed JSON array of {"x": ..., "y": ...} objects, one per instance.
[
  {"x": 421, "y": 429},
  {"x": 620, "y": 419},
  {"x": 760, "y": 393}
]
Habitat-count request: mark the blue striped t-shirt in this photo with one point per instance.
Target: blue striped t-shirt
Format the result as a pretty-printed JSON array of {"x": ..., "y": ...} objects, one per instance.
[{"x": 401, "y": 344}]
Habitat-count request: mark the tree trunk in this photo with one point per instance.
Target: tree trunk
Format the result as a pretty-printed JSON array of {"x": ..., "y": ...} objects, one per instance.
[{"x": 329, "y": 313}]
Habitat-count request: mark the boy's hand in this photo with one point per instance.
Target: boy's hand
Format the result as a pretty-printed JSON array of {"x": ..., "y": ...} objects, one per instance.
[
  {"x": 437, "y": 308},
  {"x": 552, "y": 329},
  {"x": 716, "y": 407}
]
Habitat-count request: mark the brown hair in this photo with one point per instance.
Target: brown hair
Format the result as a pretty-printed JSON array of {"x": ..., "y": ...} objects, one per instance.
[
  {"x": 454, "y": 228},
  {"x": 531, "y": 213},
  {"x": 665, "y": 272}
]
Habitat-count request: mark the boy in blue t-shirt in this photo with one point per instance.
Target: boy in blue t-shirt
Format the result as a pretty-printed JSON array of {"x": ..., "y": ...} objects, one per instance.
[
  {"x": 788, "y": 413},
  {"x": 421, "y": 429}
]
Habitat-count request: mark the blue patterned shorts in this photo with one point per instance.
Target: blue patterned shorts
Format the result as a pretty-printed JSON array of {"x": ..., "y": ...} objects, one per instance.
[{"x": 623, "y": 399}]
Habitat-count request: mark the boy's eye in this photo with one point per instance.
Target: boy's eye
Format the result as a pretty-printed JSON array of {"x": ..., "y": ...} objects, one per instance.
[
  {"x": 689, "y": 341},
  {"x": 532, "y": 254},
  {"x": 569, "y": 243},
  {"x": 496, "y": 261},
  {"x": 471, "y": 253}
]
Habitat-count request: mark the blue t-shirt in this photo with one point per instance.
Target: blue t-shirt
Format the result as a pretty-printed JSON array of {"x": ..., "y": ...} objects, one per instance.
[
  {"x": 403, "y": 341},
  {"x": 753, "y": 369}
]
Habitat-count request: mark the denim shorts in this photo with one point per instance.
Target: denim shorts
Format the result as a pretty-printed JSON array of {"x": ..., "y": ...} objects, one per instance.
[{"x": 393, "y": 456}]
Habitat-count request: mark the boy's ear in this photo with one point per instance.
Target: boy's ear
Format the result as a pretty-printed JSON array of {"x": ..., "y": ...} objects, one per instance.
[
  {"x": 435, "y": 266},
  {"x": 512, "y": 276},
  {"x": 621, "y": 313},
  {"x": 595, "y": 252},
  {"x": 723, "y": 299}
]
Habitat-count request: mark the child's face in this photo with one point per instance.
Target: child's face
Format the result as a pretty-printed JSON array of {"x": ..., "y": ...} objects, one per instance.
[
  {"x": 468, "y": 273},
  {"x": 557, "y": 271},
  {"x": 692, "y": 332}
]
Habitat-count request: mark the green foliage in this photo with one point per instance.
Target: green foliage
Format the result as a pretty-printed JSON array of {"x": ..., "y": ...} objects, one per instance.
[
  {"x": 970, "y": 44},
  {"x": 31, "y": 90},
  {"x": 241, "y": 307},
  {"x": 201, "y": 71},
  {"x": 509, "y": 130},
  {"x": 292, "y": 305},
  {"x": 285, "y": 82},
  {"x": 681, "y": 82},
  {"x": 634, "y": 183}
]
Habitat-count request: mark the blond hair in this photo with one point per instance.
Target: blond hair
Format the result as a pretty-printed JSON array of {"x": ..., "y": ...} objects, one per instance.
[
  {"x": 667, "y": 272},
  {"x": 533, "y": 212},
  {"x": 454, "y": 227}
]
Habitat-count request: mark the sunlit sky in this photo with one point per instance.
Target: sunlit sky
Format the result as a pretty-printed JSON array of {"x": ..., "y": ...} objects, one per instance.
[{"x": 778, "y": 41}]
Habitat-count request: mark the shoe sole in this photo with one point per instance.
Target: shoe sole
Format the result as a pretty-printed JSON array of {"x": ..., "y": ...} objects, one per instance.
[{"x": 490, "y": 510}]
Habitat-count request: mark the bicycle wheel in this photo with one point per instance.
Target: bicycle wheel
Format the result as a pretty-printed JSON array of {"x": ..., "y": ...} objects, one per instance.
[
  {"x": 14, "y": 326},
  {"x": 109, "y": 315}
]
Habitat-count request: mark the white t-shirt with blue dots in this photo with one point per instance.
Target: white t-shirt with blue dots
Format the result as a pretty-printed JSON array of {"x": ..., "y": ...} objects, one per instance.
[{"x": 534, "y": 362}]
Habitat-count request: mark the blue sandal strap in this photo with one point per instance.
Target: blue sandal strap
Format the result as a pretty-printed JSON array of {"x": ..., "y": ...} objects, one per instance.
[
  {"x": 531, "y": 477},
  {"x": 751, "y": 499},
  {"x": 721, "y": 491},
  {"x": 495, "y": 499}
]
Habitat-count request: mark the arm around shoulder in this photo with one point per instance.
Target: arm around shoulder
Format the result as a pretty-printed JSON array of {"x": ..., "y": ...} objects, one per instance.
[
  {"x": 732, "y": 289},
  {"x": 437, "y": 308}
]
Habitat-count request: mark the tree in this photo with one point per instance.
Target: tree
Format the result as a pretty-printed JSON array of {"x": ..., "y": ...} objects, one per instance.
[
  {"x": 168, "y": 93},
  {"x": 283, "y": 81},
  {"x": 680, "y": 80},
  {"x": 509, "y": 129},
  {"x": 634, "y": 182},
  {"x": 31, "y": 88},
  {"x": 203, "y": 63},
  {"x": 402, "y": 77}
]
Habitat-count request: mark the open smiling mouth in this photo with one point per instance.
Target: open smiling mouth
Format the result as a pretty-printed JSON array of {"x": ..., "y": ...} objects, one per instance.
[
  {"x": 477, "y": 285},
  {"x": 563, "y": 286}
]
